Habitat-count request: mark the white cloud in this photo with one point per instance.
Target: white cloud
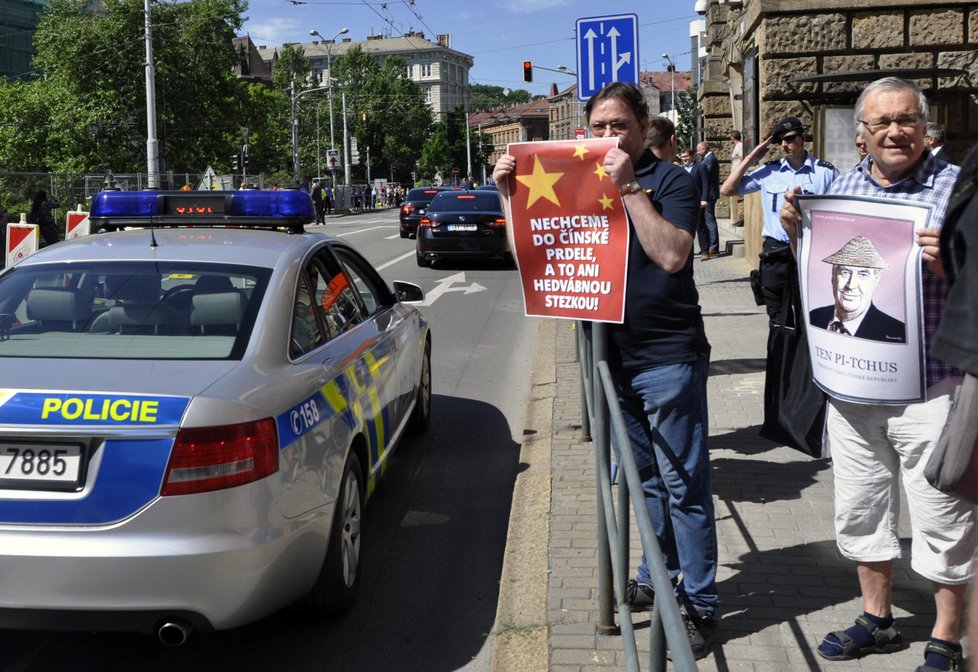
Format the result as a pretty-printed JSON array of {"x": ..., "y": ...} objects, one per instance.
[{"x": 275, "y": 31}]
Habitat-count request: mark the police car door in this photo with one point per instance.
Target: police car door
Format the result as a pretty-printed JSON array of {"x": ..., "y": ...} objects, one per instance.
[{"x": 367, "y": 349}]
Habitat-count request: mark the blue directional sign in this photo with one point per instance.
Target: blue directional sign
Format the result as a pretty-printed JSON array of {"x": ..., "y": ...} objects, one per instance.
[{"x": 607, "y": 51}]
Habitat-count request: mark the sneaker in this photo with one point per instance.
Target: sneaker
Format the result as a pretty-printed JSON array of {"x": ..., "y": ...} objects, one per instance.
[
  {"x": 639, "y": 596},
  {"x": 703, "y": 632}
]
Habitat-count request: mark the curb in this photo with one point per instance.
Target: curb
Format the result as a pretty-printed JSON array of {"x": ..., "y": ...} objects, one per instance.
[{"x": 521, "y": 633}]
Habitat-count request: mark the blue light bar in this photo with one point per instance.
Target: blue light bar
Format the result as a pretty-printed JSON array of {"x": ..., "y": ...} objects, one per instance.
[{"x": 290, "y": 209}]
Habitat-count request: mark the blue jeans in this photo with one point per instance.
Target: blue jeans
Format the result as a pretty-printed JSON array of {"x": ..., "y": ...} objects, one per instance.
[
  {"x": 665, "y": 411},
  {"x": 712, "y": 230}
]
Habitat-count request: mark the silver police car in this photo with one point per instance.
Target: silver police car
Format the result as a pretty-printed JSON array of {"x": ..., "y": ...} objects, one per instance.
[{"x": 193, "y": 414}]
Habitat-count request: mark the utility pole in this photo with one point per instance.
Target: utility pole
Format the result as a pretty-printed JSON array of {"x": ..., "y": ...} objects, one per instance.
[{"x": 152, "y": 145}]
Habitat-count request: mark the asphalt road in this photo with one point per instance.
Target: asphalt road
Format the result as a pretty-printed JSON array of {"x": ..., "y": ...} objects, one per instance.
[{"x": 435, "y": 531}]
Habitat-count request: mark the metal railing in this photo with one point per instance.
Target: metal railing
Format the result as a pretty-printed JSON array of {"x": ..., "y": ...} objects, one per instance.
[{"x": 601, "y": 414}]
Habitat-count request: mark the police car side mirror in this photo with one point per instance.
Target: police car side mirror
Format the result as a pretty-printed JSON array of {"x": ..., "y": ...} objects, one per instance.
[{"x": 408, "y": 292}]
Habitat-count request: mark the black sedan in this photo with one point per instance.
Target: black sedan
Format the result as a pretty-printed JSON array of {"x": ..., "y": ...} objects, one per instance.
[
  {"x": 463, "y": 225},
  {"x": 414, "y": 207}
]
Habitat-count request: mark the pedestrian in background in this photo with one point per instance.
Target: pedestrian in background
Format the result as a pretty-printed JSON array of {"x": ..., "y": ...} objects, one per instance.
[
  {"x": 698, "y": 172},
  {"x": 875, "y": 447},
  {"x": 42, "y": 214},
  {"x": 318, "y": 202},
  {"x": 935, "y": 142},
  {"x": 712, "y": 166},
  {"x": 795, "y": 168},
  {"x": 861, "y": 148},
  {"x": 661, "y": 138},
  {"x": 736, "y": 156},
  {"x": 659, "y": 357}
]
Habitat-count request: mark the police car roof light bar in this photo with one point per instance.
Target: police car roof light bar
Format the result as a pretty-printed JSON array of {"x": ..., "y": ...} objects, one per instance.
[{"x": 289, "y": 209}]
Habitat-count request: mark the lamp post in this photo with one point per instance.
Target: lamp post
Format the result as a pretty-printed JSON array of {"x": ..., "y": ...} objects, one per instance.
[
  {"x": 295, "y": 126},
  {"x": 577, "y": 103},
  {"x": 329, "y": 84},
  {"x": 672, "y": 68}
]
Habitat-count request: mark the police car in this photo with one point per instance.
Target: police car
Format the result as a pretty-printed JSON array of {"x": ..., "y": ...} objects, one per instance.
[{"x": 196, "y": 403}]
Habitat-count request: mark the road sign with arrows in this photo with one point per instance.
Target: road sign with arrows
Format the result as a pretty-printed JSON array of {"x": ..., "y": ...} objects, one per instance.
[{"x": 607, "y": 51}]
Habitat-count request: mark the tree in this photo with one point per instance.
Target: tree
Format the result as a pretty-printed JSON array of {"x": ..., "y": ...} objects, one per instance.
[
  {"x": 92, "y": 63},
  {"x": 486, "y": 97},
  {"x": 446, "y": 149},
  {"x": 687, "y": 117},
  {"x": 386, "y": 112}
]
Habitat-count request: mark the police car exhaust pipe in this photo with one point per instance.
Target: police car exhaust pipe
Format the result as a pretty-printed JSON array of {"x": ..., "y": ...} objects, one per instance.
[{"x": 174, "y": 633}]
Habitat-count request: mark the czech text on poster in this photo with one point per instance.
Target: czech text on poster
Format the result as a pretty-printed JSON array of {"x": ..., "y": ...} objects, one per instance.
[
  {"x": 569, "y": 229},
  {"x": 859, "y": 266}
]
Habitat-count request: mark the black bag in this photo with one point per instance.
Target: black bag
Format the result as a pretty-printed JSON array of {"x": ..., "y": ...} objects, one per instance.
[
  {"x": 755, "y": 286},
  {"x": 953, "y": 466},
  {"x": 794, "y": 406}
]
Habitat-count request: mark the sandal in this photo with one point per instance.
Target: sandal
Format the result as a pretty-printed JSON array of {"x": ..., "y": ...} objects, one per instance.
[
  {"x": 952, "y": 655},
  {"x": 885, "y": 640}
]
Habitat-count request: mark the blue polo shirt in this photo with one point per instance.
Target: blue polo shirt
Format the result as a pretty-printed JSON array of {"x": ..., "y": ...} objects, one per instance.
[
  {"x": 663, "y": 321},
  {"x": 774, "y": 178}
]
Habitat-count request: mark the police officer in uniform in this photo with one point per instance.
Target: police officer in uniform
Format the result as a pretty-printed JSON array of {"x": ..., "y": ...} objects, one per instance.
[{"x": 796, "y": 167}]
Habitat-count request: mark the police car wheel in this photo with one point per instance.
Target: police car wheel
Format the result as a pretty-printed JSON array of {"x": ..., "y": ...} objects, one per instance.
[
  {"x": 421, "y": 414},
  {"x": 336, "y": 588}
]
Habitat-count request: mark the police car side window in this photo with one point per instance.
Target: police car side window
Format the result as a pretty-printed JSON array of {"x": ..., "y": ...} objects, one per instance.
[
  {"x": 307, "y": 333},
  {"x": 362, "y": 282},
  {"x": 336, "y": 299}
]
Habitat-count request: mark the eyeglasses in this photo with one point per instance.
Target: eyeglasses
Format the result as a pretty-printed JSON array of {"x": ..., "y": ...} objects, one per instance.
[
  {"x": 861, "y": 145},
  {"x": 906, "y": 122},
  {"x": 790, "y": 138},
  {"x": 615, "y": 126}
]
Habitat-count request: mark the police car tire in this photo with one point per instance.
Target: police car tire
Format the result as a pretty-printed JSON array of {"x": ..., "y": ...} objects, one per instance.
[
  {"x": 335, "y": 589},
  {"x": 421, "y": 415}
]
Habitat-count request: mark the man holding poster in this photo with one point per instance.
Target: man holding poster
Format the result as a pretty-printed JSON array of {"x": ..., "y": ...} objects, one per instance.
[
  {"x": 875, "y": 446},
  {"x": 659, "y": 354}
]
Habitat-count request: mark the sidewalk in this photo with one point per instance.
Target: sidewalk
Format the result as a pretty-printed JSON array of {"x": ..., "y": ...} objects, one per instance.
[{"x": 782, "y": 584}]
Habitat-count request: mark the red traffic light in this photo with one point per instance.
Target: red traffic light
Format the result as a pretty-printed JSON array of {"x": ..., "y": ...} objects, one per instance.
[{"x": 527, "y": 71}]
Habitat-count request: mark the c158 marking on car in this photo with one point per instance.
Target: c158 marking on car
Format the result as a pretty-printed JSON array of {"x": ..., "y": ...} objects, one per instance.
[{"x": 66, "y": 408}]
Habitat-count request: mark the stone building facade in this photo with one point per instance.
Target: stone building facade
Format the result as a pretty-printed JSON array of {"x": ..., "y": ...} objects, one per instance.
[
  {"x": 525, "y": 122},
  {"x": 767, "y": 59}
]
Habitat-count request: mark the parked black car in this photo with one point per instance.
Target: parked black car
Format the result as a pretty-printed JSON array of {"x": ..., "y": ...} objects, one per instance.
[
  {"x": 463, "y": 225},
  {"x": 414, "y": 207}
]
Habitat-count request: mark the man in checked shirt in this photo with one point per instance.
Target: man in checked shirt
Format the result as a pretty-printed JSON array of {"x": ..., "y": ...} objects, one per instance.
[{"x": 873, "y": 446}]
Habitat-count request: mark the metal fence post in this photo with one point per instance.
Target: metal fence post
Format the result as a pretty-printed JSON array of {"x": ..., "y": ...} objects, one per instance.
[{"x": 602, "y": 453}]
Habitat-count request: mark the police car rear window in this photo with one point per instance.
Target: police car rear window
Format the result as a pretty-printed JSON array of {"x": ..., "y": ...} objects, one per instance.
[{"x": 129, "y": 310}]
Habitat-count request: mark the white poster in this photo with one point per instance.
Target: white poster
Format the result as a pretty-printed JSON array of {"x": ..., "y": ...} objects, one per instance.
[{"x": 859, "y": 267}]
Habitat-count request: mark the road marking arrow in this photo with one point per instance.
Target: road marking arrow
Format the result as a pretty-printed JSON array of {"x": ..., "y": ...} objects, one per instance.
[{"x": 445, "y": 285}]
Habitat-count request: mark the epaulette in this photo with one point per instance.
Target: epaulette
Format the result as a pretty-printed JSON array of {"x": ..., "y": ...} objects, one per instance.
[{"x": 824, "y": 164}]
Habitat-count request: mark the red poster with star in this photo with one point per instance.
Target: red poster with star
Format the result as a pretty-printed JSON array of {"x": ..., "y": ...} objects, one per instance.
[{"x": 569, "y": 230}]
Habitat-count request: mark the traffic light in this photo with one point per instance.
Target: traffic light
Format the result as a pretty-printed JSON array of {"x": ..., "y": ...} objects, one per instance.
[{"x": 527, "y": 71}]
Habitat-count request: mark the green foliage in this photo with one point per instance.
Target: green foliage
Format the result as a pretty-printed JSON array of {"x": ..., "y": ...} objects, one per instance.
[
  {"x": 486, "y": 97},
  {"x": 446, "y": 149},
  {"x": 687, "y": 117},
  {"x": 386, "y": 112}
]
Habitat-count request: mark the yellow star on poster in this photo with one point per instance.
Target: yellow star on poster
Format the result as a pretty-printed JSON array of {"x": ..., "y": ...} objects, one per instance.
[
  {"x": 541, "y": 183},
  {"x": 600, "y": 172},
  {"x": 607, "y": 203},
  {"x": 579, "y": 152}
]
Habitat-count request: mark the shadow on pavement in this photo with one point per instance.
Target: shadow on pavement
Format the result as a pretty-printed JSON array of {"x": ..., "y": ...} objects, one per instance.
[{"x": 433, "y": 543}]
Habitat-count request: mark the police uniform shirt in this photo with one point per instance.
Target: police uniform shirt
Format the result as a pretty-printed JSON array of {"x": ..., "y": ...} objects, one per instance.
[{"x": 775, "y": 178}]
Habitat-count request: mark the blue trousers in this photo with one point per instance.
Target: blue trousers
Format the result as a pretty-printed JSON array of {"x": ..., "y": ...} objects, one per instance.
[{"x": 665, "y": 410}]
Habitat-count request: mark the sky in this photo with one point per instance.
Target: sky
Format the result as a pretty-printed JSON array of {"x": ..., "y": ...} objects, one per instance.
[{"x": 498, "y": 34}]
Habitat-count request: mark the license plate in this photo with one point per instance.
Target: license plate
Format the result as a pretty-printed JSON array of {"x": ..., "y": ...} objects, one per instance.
[
  {"x": 462, "y": 227},
  {"x": 40, "y": 467}
]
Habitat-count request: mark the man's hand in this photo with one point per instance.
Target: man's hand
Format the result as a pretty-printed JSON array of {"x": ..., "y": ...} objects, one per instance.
[
  {"x": 930, "y": 240},
  {"x": 503, "y": 169},
  {"x": 619, "y": 167}
]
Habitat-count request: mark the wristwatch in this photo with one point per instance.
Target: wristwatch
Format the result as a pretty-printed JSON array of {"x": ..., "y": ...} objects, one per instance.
[{"x": 631, "y": 188}]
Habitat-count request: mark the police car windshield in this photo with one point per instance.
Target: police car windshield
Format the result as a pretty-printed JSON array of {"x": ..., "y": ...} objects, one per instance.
[{"x": 129, "y": 310}]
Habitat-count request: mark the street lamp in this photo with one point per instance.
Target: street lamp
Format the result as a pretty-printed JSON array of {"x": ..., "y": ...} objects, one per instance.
[
  {"x": 329, "y": 83},
  {"x": 672, "y": 68},
  {"x": 577, "y": 103},
  {"x": 294, "y": 96}
]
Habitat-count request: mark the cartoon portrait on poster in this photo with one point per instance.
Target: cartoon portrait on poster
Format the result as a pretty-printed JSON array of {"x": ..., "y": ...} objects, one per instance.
[{"x": 859, "y": 268}]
